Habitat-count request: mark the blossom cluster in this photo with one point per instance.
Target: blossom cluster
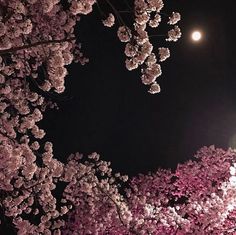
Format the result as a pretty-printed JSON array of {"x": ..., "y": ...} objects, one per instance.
[
  {"x": 198, "y": 198},
  {"x": 38, "y": 36},
  {"x": 83, "y": 7},
  {"x": 98, "y": 203},
  {"x": 139, "y": 49}
]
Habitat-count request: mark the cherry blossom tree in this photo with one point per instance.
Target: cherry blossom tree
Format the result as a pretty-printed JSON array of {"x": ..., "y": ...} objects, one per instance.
[
  {"x": 199, "y": 197},
  {"x": 40, "y": 194},
  {"x": 37, "y": 42}
]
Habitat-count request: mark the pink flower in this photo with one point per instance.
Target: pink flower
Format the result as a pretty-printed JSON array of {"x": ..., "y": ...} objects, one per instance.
[
  {"x": 109, "y": 21},
  {"x": 174, "y": 18},
  {"x": 124, "y": 34},
  {"x": 154, "y": 88}
]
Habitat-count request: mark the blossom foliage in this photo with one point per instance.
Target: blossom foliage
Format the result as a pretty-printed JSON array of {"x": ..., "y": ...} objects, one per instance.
[{"x": 197, "y": 198}]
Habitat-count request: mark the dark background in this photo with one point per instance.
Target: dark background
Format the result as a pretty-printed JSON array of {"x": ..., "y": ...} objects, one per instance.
[{"x": 111, "y": 112}]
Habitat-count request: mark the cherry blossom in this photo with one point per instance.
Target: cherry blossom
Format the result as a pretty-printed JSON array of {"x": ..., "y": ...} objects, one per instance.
[
  {"x": 174, "y": 34},
  {"x": 109, "y": 21},
  {"x": 164, "y": 53},
  {"x": 174, "y": 18}
]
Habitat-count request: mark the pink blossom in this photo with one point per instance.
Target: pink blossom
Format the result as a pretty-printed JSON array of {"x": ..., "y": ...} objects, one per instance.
[
  {"x": 174, "y": 18},
  {"x": 124, "y": 34},
  {"x": 154, "y": 88},
  {"x": 174, "y": 34},
  {"x": 109, "y": 21},
  {"x": 164, "y": 53}
]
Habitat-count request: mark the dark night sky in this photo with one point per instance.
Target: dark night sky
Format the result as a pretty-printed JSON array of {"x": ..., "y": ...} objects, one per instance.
[{"x": 111, "y": 113}]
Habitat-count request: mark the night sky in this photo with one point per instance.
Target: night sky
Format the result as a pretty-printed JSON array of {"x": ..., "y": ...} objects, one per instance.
[{"x": 108, "y": 110}]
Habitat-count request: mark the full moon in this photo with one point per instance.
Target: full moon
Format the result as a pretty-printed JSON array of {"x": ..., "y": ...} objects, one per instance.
[{"x": 196, "y": 36}]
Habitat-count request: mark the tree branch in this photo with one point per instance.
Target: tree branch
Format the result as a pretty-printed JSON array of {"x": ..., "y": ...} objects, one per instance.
[{"x": 14, "y": 49}]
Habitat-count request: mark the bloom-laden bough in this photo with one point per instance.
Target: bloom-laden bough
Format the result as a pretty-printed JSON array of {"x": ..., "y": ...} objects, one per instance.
[{"x": 138, "y": 48}]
